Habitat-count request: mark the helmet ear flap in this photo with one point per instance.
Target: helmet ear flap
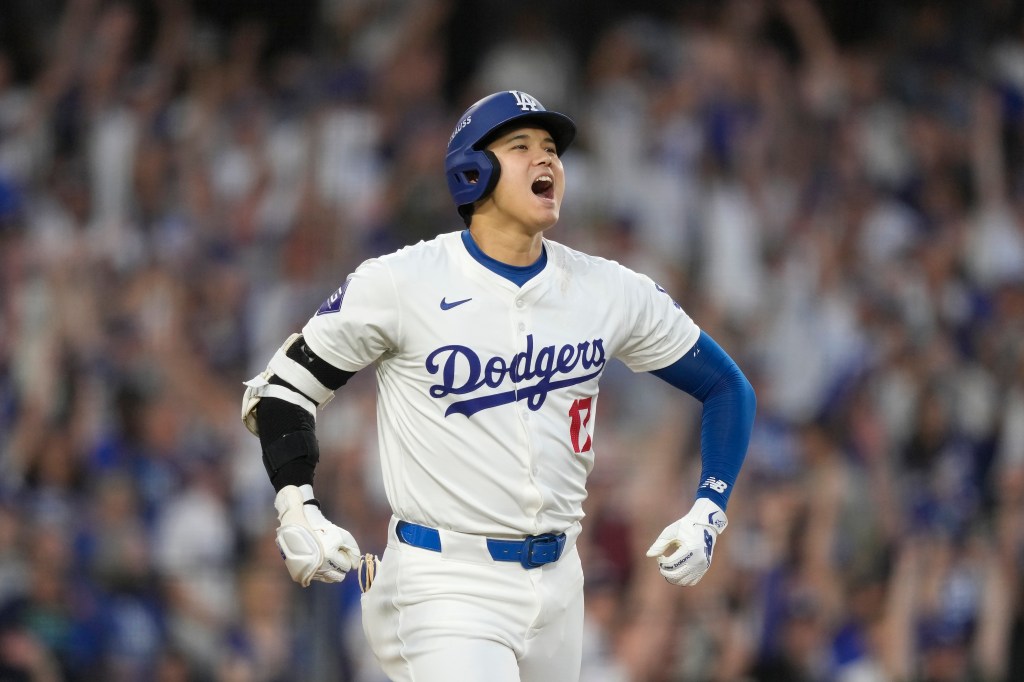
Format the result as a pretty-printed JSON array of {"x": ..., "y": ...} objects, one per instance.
[{"x": 490, "y": 180}]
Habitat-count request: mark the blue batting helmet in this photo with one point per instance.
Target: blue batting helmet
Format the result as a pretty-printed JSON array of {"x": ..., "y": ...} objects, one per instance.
[{"x": 472, "y": 172}]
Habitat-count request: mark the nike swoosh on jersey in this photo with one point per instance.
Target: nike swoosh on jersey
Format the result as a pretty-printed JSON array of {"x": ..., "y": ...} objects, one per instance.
[{"x": 445, "y": 305}]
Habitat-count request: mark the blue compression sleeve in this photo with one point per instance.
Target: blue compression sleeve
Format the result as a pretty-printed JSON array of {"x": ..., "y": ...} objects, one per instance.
[{"x": 708, "y": 374}]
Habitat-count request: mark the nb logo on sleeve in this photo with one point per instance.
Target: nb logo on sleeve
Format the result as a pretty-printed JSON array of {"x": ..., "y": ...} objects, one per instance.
[{"x": 715, "y": 484}]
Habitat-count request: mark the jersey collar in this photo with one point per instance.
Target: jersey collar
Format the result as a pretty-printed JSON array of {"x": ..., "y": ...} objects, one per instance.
[{"x": 518, "y": 275}]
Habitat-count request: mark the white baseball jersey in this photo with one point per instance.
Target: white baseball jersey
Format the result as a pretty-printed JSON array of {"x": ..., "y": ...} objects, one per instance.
[{"x": 487, "y": 392}]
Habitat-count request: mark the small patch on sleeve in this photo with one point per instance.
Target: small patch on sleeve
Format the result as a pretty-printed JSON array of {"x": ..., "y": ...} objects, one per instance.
[
  {"x": 333, "y": 302},
  {"x": 662, "y": 290}
]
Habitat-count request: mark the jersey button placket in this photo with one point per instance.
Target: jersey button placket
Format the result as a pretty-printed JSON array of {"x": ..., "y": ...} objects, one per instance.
[
  {"x": 519, "y": 323},
  {"x": 520, "y": 316}
]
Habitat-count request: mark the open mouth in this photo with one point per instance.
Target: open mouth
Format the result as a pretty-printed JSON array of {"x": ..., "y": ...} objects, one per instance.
[{"x": 544, "y": 187}]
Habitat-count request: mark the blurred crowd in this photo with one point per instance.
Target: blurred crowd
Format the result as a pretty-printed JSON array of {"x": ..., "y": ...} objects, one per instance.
[{"x": 834, "y": 190}]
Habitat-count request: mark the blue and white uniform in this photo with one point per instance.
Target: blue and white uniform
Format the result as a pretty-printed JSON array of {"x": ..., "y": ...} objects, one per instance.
[
  {"x": 487, "y": 399},
  {"x": 487, "y": 416},
  {"x": 487, "y": 392}
]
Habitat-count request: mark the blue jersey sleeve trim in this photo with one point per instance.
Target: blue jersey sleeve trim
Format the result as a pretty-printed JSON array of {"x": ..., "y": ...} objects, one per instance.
[{"x": 708, "y": 373}]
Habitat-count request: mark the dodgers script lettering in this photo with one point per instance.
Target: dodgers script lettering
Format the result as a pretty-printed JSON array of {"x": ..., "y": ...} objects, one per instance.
[{"x": 463, "y": 372}]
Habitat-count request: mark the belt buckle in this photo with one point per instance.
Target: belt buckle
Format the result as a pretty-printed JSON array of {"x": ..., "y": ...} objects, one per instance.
[{"x": 532, "y": 543}]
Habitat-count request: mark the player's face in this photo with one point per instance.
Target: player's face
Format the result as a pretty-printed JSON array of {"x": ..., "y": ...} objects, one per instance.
[{"x": 532, "y": 182}]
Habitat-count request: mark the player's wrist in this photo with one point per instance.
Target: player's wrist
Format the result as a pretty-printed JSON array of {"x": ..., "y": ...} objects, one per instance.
[
  {"x": 308, "y": 497},
  {"x": 707, "y": 512},
  {"x": 712, "y": 496},
  {"x": 299, "y": 497}
]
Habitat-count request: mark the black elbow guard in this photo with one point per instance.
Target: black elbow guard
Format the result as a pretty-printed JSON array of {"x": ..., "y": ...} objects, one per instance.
[{"x": 288, "y": 440}]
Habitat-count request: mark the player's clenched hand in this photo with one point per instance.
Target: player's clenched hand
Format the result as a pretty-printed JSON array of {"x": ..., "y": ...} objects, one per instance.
[
  {"x": 313, "y": 547},
  {"x": 684, "y": 549}
]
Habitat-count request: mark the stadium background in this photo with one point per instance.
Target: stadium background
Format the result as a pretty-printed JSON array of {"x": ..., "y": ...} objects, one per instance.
[{"x": 834, "y": 190}]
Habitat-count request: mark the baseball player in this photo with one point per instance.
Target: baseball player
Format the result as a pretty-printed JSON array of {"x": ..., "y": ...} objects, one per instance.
[{"x": 488, "y": 346}]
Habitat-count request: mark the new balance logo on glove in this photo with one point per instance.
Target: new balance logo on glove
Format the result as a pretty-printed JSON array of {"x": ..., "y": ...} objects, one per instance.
[{"x": 689, "y": 537}]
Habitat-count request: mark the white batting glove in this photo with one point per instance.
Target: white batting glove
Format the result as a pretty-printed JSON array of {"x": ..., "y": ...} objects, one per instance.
[
  {"x": 313, "y": 548},
  {"x": 684, "y": 548}
]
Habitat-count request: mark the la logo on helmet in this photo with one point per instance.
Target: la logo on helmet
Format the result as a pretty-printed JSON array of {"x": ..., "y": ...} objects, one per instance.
[{"x": 526, "y": 102}]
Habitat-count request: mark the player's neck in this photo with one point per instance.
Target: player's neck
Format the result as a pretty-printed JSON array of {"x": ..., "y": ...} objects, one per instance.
[{"x": 507, "y": 246}]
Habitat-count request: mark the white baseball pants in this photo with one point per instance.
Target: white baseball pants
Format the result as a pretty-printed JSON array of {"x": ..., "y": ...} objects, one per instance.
[{"x": 460, "y": 616}]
